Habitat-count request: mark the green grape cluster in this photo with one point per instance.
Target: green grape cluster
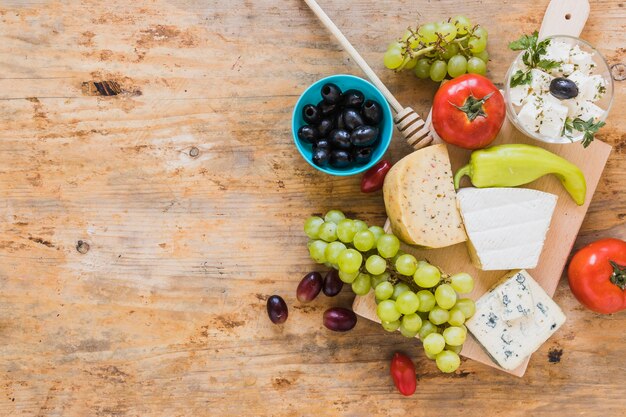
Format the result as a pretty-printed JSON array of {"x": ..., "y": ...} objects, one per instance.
[
  {"x": 439, "y": 49},
  {"x": 412, "y": 296}
]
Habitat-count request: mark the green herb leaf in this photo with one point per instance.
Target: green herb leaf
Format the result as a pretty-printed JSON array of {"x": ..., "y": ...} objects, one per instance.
[
  {"x": 547, "y": 64},
  {"x": 533, "y": 52},
  {"x": 588, "y": 128},
  {"x": 525, "y": 42},
  {"x": 521, "y": 78}
]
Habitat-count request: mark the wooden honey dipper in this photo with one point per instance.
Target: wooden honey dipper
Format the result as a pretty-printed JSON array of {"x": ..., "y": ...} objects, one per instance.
[{"x": 408, "y": 122}]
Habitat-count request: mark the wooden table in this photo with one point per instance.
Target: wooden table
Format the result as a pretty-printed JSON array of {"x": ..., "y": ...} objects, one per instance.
[{"x": 142, "y": 232}]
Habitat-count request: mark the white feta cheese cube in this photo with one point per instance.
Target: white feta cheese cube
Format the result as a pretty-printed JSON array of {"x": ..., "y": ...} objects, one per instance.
[
  {"x": 557, "y": 51},
  {"x": 567, "y": 69},
  {"x": 553, "y": 119},
  {"x": 592, "y": 88},
  {"x": 583, "y": 61},
  {"x": 590, "y": 110},
  {"x": 528, "y": 116},
  {"x": 573, "y": 107},
  {"x": 540, "y": 81},
  {"x": 518, "y": 93}
]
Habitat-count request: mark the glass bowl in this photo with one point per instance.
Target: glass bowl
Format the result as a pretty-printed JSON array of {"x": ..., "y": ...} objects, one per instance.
[{"x": 601, "y": 68}]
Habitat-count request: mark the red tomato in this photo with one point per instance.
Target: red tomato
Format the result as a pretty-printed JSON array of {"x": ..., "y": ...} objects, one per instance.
[
  {"x": 403, "y": 374},
  {"x": 374, "y": 178},
  {"x": 597, "y": 276},
  {"x": 468, "y": 111}
]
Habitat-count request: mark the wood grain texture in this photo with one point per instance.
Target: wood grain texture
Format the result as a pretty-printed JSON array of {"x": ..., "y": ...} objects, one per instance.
[{"x": 191, "y": 196}]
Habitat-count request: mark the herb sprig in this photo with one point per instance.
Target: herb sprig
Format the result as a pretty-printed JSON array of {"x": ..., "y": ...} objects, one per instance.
[
  {"x": 588, "y": 128},
  {"x": 533, "y": 50}
]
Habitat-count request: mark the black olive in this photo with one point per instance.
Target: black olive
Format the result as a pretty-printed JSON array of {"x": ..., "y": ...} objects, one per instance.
[
  {"x": 340, "y": 139},
  {"x": 340, "y": 158},
  {"x": 352, "y": 119},
  {"x": 353, "y": 98},
  {"x": 331, "y": 93},
  {"x": 321, "y": 156},
  {"x": 311, "y": 114},
  {"x": 372, "y": 112},
  {"x": 363, "y": 155},
  {"x": 563, "y": 88},
  {"x": 364, "y": 136},
  {"x": 322, "y": 143},
  {"x": 339, "y": 121},
  {"x": 326, "y": 108},
  {"x": 325, "y": 126},
  {"x": 308, "y": 134}
]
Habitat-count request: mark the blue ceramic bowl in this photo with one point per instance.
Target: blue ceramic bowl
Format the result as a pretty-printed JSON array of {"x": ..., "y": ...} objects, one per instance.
[{"x": 312, "y": 95}]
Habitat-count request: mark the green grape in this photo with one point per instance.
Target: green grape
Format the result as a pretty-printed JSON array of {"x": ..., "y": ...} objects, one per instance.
[
  {"x": 434, "y": 343},
  {"x": 438, "y": 315},
  {"x": 427, "y": 275},
  {"x": 377, "y": 230},
  {"x": 349, "y": 260},
  {"x": 467, "y": 307},
  {"x": 407, "y": 302},
  {"x": 457, "y": 317},
  {"x": 422, "y": 68},
  {"x": 429, "y": 356},
  {"x": 462, "y": 24},
  {"x": 384, "y": 290},
  {"x": 391, "y": 326},
  {"x": 388, "y": 245},
  {"x": 455, "y": 349},
  {"x": 346, "y": 230},
  {"x": 328, "y": 231},
  {"x": 450, "y": 51},
  {"x": 481, "y": 32},
  {"x": 448, "y": 361},
  {"x": 332, "y": 251},
  {"x": 426, "y": 329},
  {"x": 312, "y": 226},
  {"x": 445, "y": 296},
  {"x": 364, "y": 241},
  {"x": 447, "y": 31},
  {"x": 317, "y": 249},
  {"x": 334, "y": 216},
  {"x": 406, "y": 265},
  {"x": 361, "y": 284},
  {"x": 348, "y": 278},
  {"x": 393, "y": 57},
  {"x": 398, "y": 289},
  {"x": 360, "y": 225},
  {"x": 484, "y": 56},
  {"x": 457, "y": 66},
  {"x": 395, "y": 258},
  {"x": 412, "y": 322},
  {"x": 455, "y": 336},
  {"x": 427, "y": 301},
  {"x": 407, "y": 332},
  {"x": 377, "y": 279},
  {"x": 438, "y": 71},
  {"x": 477, "y": 45},
  {"x": 387, "y": 311},
  {"x": 462, "y": 283},
  {"x": 409, "y": 63},
  {"x": 406, "y": 36},
  {"x": 428, "y": 33},
  {"x": 375, "y": 265}
]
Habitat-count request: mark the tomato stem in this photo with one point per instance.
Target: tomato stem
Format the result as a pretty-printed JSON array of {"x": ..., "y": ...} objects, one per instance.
[
  {"x": 473, "y": 107},
  {"x": 618, "y": 277}
]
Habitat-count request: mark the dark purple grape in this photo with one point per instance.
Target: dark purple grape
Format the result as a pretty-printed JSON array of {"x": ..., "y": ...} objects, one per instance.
[
  {"x": 277, "y": 309},
  {"x": 308, "y": 134},
  {"x": 331, "y": 93},
  {"x": 325, "y": 126},
  {"x": 352, "y": 119},
  {"x": 364, "y": 136},
  {"x": 321, "y": 156},
  {"x": 372, "y": 112},
  {"x": 340, "y": 139},
  {"x": 311, "y": 114},
  {"x": 563, "y": 88},
  {"x": 332, "y": 284},
  {"x": 363, "y": 155},
  {"x": 322, "y": 143},
  {"x": 339, "y": 319},
  {"x": 339, "y": 121},
  {"x": 340, "y": 158},
  {"x": 309, "y": 287},
  {"x": 353, "y": 98},
  {"x": 326, "y": 108}
]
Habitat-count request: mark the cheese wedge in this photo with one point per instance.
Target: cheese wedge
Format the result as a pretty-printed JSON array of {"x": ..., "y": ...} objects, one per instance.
[
  {"x": 420, "y": 199},
  {"x": 514, "y": 318},
  {"x": 506, "y": 227}
]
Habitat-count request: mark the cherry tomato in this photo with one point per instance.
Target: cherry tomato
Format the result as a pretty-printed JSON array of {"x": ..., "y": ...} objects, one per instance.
[
  {"x": 403, "y": 374},
  {"x": 468, "y": 111},
  {"x": 597, "y": 276},
  {"x": 374, "y": 178}
]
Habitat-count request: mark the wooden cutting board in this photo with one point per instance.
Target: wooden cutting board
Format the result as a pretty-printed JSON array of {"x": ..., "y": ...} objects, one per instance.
[{"x": 562, "y": 17}]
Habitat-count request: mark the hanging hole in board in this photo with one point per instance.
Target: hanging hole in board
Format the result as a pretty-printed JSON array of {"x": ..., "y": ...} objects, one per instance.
[{"x": 568, "y": 16}]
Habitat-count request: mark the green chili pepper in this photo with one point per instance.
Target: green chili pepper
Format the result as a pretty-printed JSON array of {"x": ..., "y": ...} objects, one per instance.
[{"x": 517, "y": 164}]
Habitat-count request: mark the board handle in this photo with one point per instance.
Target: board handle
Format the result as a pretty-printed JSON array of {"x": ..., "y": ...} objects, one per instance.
[{"x": 564, "y": 17}]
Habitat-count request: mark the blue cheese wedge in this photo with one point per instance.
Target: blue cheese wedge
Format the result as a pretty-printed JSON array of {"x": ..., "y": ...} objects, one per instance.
[
  {"x": 514, "y": 319},
  {"x": 506, "y": 227},
  {"x": 420, "y": 199}
]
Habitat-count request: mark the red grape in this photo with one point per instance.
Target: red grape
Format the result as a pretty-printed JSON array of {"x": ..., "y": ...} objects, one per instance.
[
  {"x": 339, "y": 319},
  {"x": 277, "y": 309},
  {"x": 309, "y": 287},
  {"x": 332, "y": 284}
]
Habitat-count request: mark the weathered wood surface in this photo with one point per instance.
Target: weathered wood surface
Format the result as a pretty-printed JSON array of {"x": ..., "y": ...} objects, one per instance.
[{"x": 190, "y": 197}]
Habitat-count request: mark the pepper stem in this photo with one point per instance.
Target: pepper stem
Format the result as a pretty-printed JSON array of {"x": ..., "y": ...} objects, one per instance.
[
  {"x": 460, "y": 174},
  {"x": 618, "y": 277}
]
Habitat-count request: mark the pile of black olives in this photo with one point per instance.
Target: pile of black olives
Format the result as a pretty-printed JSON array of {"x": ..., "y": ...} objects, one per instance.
[{"x": 343, "y": 127}]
